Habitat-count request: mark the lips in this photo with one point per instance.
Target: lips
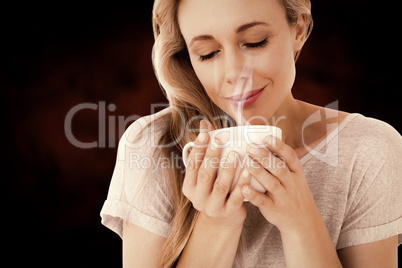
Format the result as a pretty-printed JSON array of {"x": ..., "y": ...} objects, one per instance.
[
  {"x": 245, "y": 96},
  {"x": 246, "y": 99}
]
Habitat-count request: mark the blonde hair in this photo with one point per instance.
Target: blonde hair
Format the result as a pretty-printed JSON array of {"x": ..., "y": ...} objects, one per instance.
[{"x": 189, "y": 100}]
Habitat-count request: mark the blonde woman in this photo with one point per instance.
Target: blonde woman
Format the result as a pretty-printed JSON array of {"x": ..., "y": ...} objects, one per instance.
[{"x": 341, "y": 210}]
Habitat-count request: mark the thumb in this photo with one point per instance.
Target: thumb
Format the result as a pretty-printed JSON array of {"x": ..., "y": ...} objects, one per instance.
[{"x": 206, "y": 126}]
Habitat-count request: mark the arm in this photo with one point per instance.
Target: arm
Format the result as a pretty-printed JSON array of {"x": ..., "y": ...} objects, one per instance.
[
  {"x": 141, "y": 248},
  {"x": 210, "y": 246},
  {"x": 310, "y": 246},
  {"x": 382, "y": 253},
  {"x": 215, "y": 238},
  {"x": 289, "y": 205}
]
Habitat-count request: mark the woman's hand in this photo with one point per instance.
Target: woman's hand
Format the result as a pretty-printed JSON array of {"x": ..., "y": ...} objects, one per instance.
[
  {"x": 208, "y": 192},
  {"x": 288, "y": 202},
  {"x": 289, "y": 205},
  {"x": 219, "y": 226}
]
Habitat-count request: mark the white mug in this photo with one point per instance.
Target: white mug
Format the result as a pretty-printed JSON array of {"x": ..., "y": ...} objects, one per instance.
[{"x": 237, "y": 139}]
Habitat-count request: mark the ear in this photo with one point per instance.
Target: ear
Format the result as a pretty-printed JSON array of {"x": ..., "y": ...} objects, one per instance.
[{"x": 300, "y": 30}]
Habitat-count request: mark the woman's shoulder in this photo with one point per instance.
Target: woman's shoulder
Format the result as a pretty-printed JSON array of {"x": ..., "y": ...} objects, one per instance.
[
  {"x": 360, "y": 129},
  {"x": 139, "y": 193},
  {"x": 146, "y": 124},
  {"x": 370, "y": 143},
  {"x": 144, "y": 133},
  {"x": 370, "y": 153}
]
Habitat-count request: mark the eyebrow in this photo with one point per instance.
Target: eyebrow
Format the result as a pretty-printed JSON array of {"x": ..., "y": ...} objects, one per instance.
[
  {"x": 201, "y": 38},
  {"x": 239, "y": 29},
  {"x": 247, "y": 26}
]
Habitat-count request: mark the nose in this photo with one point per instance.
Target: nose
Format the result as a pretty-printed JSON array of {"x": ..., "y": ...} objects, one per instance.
[{"x": 237, "y": 68}]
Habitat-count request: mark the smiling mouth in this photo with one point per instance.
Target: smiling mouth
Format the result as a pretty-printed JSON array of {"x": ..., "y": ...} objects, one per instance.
[{"x": 245, "y": 96}]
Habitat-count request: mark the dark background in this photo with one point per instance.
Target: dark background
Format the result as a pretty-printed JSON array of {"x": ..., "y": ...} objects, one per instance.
[{"x": 57, "y": 57}]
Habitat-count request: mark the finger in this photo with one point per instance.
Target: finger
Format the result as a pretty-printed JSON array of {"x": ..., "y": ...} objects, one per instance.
[
  {"x": 223, "y": 183},
  {"x": 235, "y": 200},
  {"x": 198, "y": 151},
  {"x": 284, "y": 152},
  {"x": 271, "y": 183},
  {"x": 244, "y": 178},
  {"x": 201, "y": 143},
  {"x": 208, "y": 169},
  {"x": 195, "y": 159},
  {"x": 256, "y": 198},
  {"x": 269, "y": 161},
  {"x": 206, "y": 126}
]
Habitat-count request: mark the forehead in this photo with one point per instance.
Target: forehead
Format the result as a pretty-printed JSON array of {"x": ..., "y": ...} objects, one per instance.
[{"x": 219, "y": 16}]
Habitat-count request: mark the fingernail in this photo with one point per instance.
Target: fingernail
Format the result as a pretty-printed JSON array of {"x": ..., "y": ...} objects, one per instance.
[
  {"x": 202, "y": 137},
  {"x": 203, "y": 124},
  {"x": 253, "y": 149},
  {"x": 246, "y": 190},
  {"x": 216, "y": 144},
  {"x": 245, "y": 173},
  {"x": 270, "y": 140}
]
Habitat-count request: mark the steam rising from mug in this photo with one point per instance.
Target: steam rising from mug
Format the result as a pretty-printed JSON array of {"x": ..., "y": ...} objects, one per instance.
[{"x": 244, "y": 83}]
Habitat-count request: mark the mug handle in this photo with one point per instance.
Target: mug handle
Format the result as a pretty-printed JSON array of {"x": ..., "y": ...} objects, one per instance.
[{"x": 185, "y": 152}]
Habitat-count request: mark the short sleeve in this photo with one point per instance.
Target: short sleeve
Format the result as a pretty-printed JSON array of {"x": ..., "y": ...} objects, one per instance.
[
  {"x": 374, "y": 206},
  {"x": 138, "y": 191}
]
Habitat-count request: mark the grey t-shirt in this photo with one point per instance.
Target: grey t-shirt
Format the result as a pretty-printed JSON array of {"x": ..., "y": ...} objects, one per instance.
[{"x": 355, "y": 176}]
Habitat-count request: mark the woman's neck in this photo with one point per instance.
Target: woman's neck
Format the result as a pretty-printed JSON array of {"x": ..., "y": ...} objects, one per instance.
[{"x": 293, "y": 118}]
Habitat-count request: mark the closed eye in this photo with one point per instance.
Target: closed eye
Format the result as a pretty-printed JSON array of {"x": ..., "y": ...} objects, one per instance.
[
  {"x": 257, "y": 45},
  {"x": 208, "y": 56}
]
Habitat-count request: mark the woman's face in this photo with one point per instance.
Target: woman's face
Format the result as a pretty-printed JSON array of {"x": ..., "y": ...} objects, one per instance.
[{"x": 242, "y": 52}]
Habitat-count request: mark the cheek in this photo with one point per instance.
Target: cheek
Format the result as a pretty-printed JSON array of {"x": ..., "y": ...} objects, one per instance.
[
  {"x": 208, "y": 78},
  {"x": 279, "y": 67}
]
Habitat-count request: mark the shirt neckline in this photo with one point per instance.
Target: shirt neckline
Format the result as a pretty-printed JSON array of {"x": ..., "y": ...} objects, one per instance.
[{"x": 334, "y": 133}]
